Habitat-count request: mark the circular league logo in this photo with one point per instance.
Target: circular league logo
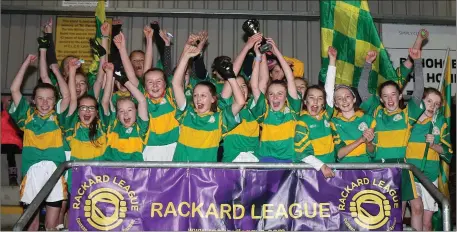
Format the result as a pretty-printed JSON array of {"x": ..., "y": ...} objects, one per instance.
[
  {"x": 370, "y": 209},
  {"x": 96, "y": 205}
]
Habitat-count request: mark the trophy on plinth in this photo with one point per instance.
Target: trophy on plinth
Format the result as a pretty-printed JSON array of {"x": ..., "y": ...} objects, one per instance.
[{"x": 251, "y": 27}]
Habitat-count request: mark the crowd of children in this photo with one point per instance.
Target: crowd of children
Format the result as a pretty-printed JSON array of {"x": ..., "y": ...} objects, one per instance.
[{"x": 255, "y": 109}]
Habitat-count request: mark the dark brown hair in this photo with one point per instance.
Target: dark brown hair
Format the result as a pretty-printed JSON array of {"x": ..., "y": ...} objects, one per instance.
[
  {"x": 93, "y": 126},
  {"x": 212, "y": 90},
  {"x": 401, "y": 103}
]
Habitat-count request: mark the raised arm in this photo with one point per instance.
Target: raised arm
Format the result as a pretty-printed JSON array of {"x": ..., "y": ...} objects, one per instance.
[
  {"x": 64, "y": 90},
  {"x": 119, "y": 41},
  {"x": 362, "y": 88},
  {"x": 331, "y": 75},
  {"x": 108, "y": 89},
  {"x": 291, "y": 88},
  {"x": 415, "y": 54},
  {"x": 148, "y": 32},
  {"x": 421, "y": 37},
  {"x": 178, "y": 77},
  {"x": 73, "y": 65},
  {"x": 105, "y": 28},
  {"x": 44, "y": 76},
  {"x": 142, "y": 104},
  {"x": 256, "y": 91},
  {"x": 238, "y": 63},
  {"x": 15, "y": 88},
  {"x": 264, "y": 74},
  {"x": 229, "y": 76}
]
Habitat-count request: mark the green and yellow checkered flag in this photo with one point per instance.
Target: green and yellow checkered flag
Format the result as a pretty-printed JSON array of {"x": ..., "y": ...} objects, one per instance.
[
  {"x": 349, "y": 27},
  {"x": 100, "y": 18}
]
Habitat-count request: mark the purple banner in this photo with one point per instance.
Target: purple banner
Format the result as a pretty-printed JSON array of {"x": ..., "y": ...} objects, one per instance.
[{"x": 229, "y": 199}]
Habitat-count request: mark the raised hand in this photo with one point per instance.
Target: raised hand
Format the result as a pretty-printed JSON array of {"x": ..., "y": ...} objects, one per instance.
[
  {"x": 254, "y": 39},
  {"x": 423, "y": 34},
  {"x": 165, "y": 37},
  {"x": 192, "y": 40},
  {"x": 74, "y": 64},
  {"x": 332, "y": 52},
  {"x": 108, "y": 67},
  {"x": 415, "y": 53},
  {"x": 119, "y": 40},
  {"x": 202, "y": 39},
  {"x": 274, "y": 48},
  {"x": 105, "y": 28},
  {"x": 191, "y": 51},
  {"x": 371, "y": 56},
  {"x": 30, "y": 58},
  {"x": 47, "y": 26},
  {"x": 257, "y": 48},
  {"x": 148, "y": 32}
]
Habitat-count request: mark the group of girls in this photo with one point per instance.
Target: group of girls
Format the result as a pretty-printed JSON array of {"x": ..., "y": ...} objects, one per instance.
[{"x": 261, "y": 115}]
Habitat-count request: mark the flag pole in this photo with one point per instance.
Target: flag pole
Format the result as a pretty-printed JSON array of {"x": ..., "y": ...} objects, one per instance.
[{"x": 444, "y": 69}]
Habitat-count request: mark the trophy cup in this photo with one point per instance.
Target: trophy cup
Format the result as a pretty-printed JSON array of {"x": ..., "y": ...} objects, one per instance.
[{"x": 251, "y": 27}]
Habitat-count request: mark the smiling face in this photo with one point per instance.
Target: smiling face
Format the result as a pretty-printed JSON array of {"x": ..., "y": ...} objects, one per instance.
[
  {"x": 344, "y": 100},
  {"x": 432, "y": 104},
  {"x": 87, "y": 110},
  {"x": 314, "y": 101},
  {"x": 81, "y": 85},
  {"x": 203, "y": 99},
  {"x": 126, "y": 112},
  {"x": 276, "y": 96},
  {"x": 155, "y": 84},
  {"x": 44, "y": 100},
  {"x": 137, "y": 59},
  {"x": 390, "y": 97}
]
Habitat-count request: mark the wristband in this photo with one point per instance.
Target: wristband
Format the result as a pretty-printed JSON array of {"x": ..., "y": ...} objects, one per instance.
[{"x": 258, "y": 58}]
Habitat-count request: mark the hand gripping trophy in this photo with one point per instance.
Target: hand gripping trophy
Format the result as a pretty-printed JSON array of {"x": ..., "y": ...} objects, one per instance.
[{"x": 251, "y": 27}]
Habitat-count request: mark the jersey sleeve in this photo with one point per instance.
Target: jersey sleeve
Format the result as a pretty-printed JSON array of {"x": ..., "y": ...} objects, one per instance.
[
  {"x": 143, "y": 125},
  {"x": 259, "y": 108},
  {"x": 222, "y": 103},
  {"x": 302, "y": 143},
  {"x": 19, "y": 113},
  {"x": 229, "y": 121},
  {"x": 369, "y": 106},
  {"x": 295, "y": 104},
  {"x": 181, "y": 113},
  {"x": 414, "y": 111},
  {"x": 402, "y": 74}
]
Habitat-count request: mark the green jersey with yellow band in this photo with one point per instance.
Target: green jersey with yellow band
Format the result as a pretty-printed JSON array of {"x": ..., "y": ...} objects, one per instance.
[
  {"x": 200, "y": 134},
  {"x": 43, "y": 140},
  {"x": 278, "y": 128},
  {"x": 350, "y": 130}
]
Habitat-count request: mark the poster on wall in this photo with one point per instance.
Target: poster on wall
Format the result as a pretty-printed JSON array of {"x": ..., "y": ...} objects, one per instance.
[
  {"x": 72, "y": 38},
  {"x": 397, "y": 38},
  {"x": 82, "y": 3}
]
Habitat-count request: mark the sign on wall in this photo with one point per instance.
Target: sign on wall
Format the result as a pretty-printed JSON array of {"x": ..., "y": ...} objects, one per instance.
[
  {"x": 397, "y": 38},
  {"x": 206, "y": 199},
  {"x": 82, "y": 3},
  {"x": 72, "y": 38}
]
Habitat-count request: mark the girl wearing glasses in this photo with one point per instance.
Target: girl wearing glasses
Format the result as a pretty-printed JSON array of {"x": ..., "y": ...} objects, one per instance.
[{"x": 85, "y": 131}]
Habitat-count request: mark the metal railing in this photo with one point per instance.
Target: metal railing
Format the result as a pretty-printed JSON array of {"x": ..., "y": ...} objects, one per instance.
[{"x": 26, "y": 217}]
